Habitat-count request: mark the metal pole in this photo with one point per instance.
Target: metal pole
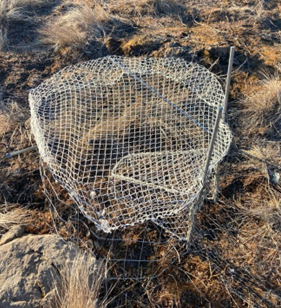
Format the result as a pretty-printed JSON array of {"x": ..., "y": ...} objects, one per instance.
[
  {"x": 211, "y": 147},
  {"x": 9, "y": 155},
  {"x": 216, "y": 183},
  {"x": 228, "y": 79},
  {"x": 195, "y": 208},
  {"x": 227, "y": 85}
]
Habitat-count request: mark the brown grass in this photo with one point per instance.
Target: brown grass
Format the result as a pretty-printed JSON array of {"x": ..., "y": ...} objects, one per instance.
[
  {"x": 61, "y": 36},
  {"x": 262, "y": 107},
  {"x": 147, "y": 7},
  {"x": 76, "y": 28},
  {"x": 13, "y": 214},
  {"x": 268, "y": 211},
  {"x": 9, "y": 10},
  {"x": 81, "y": 284},
  {"x": 271, "y": 55},
  {"x": 16, "y": 122},
  {"x": 13, "y": 9},
  {"x": 5, "y": 124},
  {"x": 259, "y": 231}
]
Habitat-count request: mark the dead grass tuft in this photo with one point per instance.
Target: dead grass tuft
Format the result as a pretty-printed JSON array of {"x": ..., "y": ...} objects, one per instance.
[
  {"x": 262, "y": 108},
  {"x": 13, "y": 214},
  {"x": 266, "y": 159},
  {"x": 271, "y": 55},
  {"x": 81, "y": 284},
  {"x": 12, "y": 9},
  {"x": 268, "y": 212},
  {"x": 58, "y": 37},
  {"x": 9, "y": 10},
  {"x": 14, "y": 118},
  {"x": 77, "y": 27}
]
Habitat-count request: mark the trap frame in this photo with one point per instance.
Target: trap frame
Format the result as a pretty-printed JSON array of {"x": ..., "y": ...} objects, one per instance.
[{"x": 135, "y": 143}]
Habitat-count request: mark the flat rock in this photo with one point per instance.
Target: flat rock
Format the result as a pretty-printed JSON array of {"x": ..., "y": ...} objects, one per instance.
[{"x": 30, "y": 268}]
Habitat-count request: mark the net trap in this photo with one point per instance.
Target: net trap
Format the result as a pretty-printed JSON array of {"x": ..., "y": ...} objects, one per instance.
[{"x": 135, "y": 143}]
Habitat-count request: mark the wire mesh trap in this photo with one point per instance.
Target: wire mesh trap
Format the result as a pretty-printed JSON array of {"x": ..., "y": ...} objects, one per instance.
[{"x": 134, "y": 142}]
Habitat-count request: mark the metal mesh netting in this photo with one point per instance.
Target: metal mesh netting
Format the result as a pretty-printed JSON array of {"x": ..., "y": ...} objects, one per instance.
[{"x": 128, "y": 138}]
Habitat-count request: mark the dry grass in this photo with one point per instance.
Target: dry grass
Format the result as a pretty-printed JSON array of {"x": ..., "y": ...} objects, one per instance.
[
  {"x": 58, "y": 37},
  {"x": 268, "y": 211},
  {"x": 12, "y": 9},
  {"x": 262, "y": 108},
  {"x": 81, "y": 284},
  {"x": 147, "y": 7},
  {"x": 9, "y": 10},
  {"x": 13, "y": 214},
  {"x": 253, "y": 13},
  {"x": 85, "y": 18},
  {"x": 259, "y": 231},
  {"x": 247, "y": 245},
  {"x": 265, "y": 153},
  {"x": 266, "y": 162},
  {"x": 15, "y": 120},
  {"x": 271, "y": 55},
  {"x": 77, "y": 27},
  {"x": 259, "y": 11},
  {"x": 21, "y": 3},
  {"x": 5, "y": 124}
]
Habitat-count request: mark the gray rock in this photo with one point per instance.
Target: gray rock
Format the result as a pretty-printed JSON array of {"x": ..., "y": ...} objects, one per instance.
[
  {"x": 30, "y": 268},
  {"x": 14, "y": 232}
]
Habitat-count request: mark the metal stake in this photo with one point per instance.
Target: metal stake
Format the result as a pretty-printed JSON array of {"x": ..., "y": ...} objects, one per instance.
[
  {"x": 228, "y": 79},
  {"x": 194, "y": 209},
  {"x": 216, "y": 183},
  {"x": 227, "y": 85},
  {"x": 211, "y": 147},
  {"x": 9, "y": 155}
]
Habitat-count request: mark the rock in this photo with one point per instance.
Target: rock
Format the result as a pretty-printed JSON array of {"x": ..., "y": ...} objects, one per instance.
[
  {"x": 30, "y": 268},
  {"x": 14, "y": 232}
]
